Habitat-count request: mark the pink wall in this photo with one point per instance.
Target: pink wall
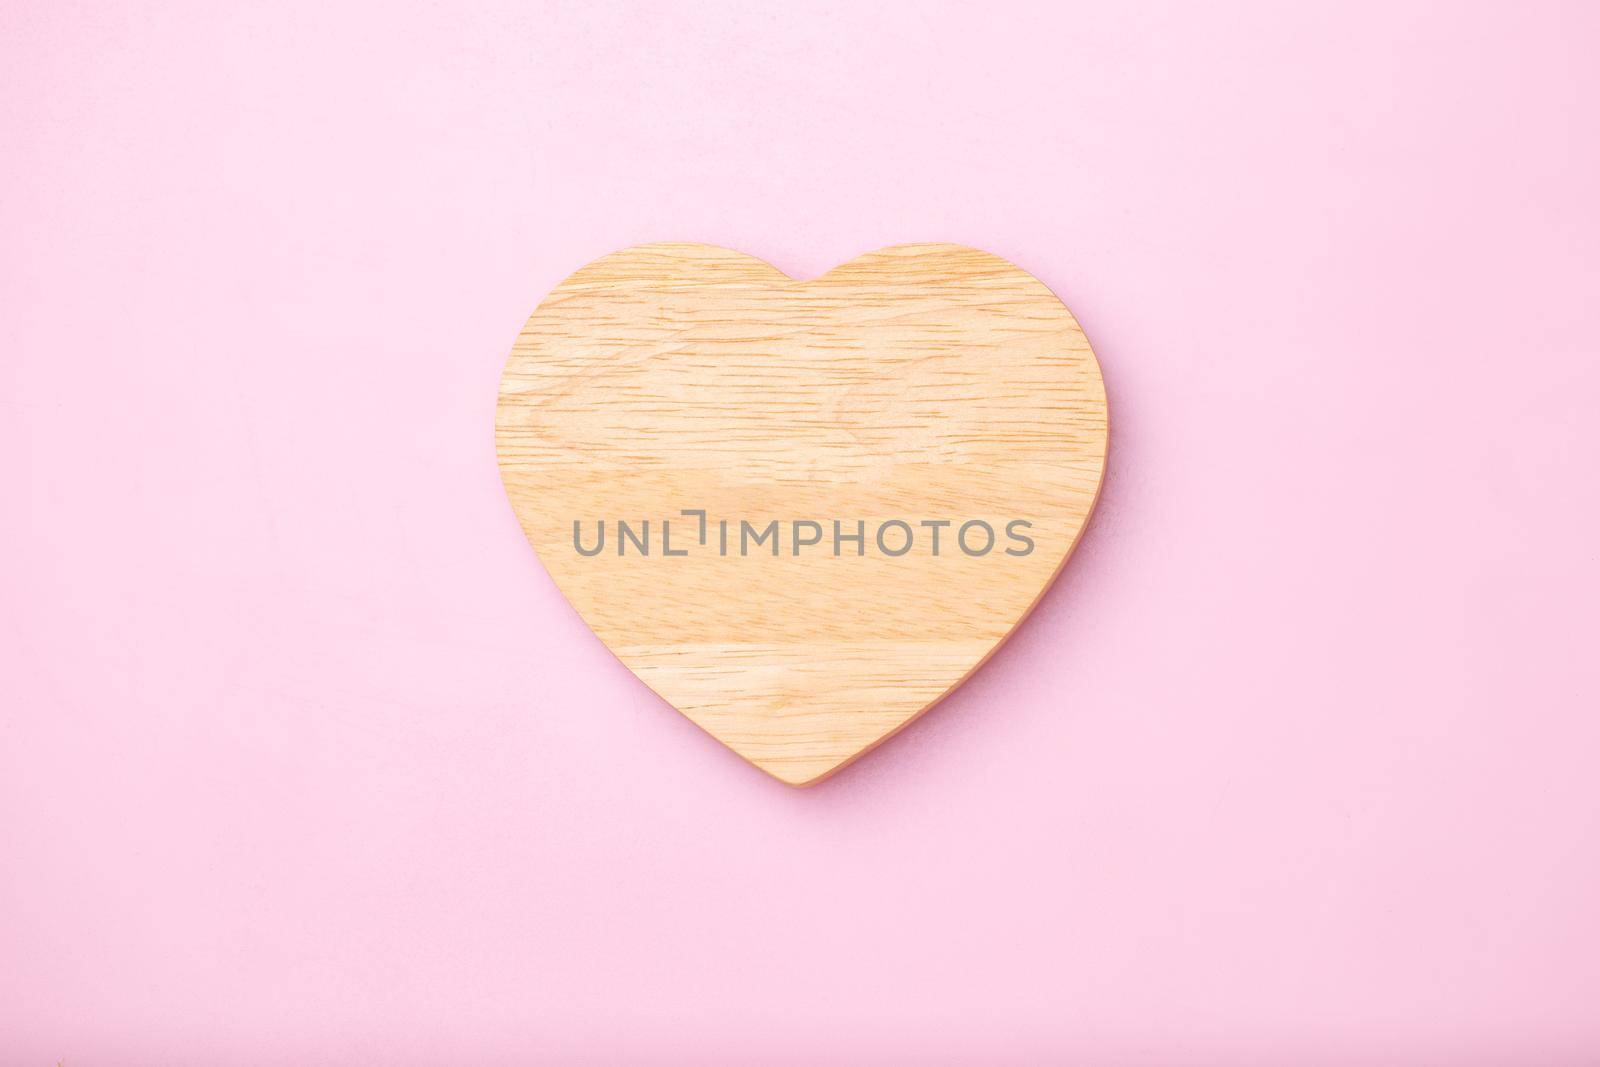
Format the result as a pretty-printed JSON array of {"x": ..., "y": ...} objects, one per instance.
[{"x": 303, "y": 758}]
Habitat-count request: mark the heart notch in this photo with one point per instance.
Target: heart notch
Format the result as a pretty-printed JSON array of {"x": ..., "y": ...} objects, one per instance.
[{"x": 802, "y": 511}]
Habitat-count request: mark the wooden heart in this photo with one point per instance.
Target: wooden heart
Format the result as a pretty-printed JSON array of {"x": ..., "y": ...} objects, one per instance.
[{"x": 802, "y": 511}]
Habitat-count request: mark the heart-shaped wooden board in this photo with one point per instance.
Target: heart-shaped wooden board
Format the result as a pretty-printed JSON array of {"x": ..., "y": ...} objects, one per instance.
[{"x": 802, "y": 511}]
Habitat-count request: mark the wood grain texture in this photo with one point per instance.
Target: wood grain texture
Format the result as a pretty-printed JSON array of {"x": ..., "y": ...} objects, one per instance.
[{"x": 921, "y": 383}]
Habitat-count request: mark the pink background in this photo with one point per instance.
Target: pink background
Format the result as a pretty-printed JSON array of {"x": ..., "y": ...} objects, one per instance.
[{"x": 304, "y": 759}]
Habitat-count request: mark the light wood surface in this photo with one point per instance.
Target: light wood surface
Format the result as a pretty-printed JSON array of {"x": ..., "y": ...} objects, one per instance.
[{"x": 922, "y": 383}]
